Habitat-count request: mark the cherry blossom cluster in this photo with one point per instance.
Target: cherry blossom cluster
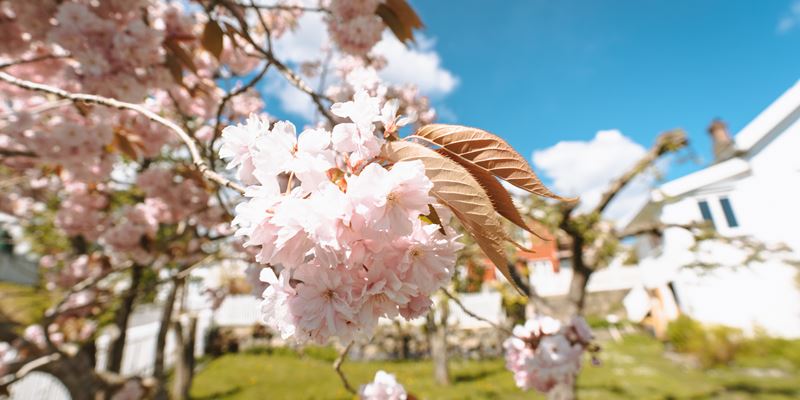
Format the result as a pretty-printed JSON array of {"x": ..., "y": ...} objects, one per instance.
[
  {"x": 544, "y": 354},
  {"x": 70, "y": 141},
  {"x": 82, "y": 212},
  {"x": 383, "y": 387},
  {"x": 345, "y": 229},
  {"x": 356, "y": 73},
  {"x": 170, "y": 198},
  {"x": 354, "y": 26},
  {"x": 118, "y": 53}
]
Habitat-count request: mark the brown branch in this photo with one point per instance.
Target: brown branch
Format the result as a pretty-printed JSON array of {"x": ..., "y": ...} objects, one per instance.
[
  {"x": 667, "y": 142},
  {"x": 27, "y": 368},
  {"x": 337, "y": 366},
  {"x": 287, "y": 72},
  {"x": 16, "y": 153},
  {"x": 659, "y": 228},
  {"x": 32, "y": 60},
  {"x": 225, "y": 101},
  {"x": 473, "y": 315},
  {"x": 284, "y": 7},
  {"x": 190, "y": 143}
]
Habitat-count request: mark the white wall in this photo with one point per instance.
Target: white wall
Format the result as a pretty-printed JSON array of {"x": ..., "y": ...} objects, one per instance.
[{"x": 766, "y": 203}]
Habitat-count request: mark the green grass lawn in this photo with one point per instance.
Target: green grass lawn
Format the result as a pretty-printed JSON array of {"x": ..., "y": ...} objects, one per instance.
[
  {"x": 22, "y": 304},
  {"x": 632, "y": 369}
]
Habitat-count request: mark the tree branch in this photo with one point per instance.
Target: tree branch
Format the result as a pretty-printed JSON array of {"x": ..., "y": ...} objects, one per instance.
[
  {"x": 337, "y": 366},
  {"x": 32, "y": 60},
  {"x": 667, "y": 142},
  {"x": 16, "y": 153},
  {"x": 194, "y": 151},
  {"x": 29, "y": 367},
  {"x": 659, "y": 228},
  {"x": 233, "y": 93},
  {"x": 473, "y": 315},
  {"x": 287, "y": 72},
  {"x": 284, "y": 7}
]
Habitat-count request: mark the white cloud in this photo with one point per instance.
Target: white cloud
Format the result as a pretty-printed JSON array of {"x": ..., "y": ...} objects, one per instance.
[
  {"x": 418, "y": 64},
  {"x": 304, "y": 42},
  {"x": 292, "y": 100},
  {"x": 585, "y": 168},
  {"x": 790, "y": 19}
]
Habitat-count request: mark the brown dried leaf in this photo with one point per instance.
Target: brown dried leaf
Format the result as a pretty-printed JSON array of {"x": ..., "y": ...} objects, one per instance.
[
  {"x": 124, "y": 145},
  {"x": 181, "y": 54},
  {"x": 457, "y": 189},
  {"x": 400, "y": 18},
  {"x": 433, "y": 216},
  {"x": 488, "y": 152},
  {"x": 175, "y": 68},
  {"x": 212, "y": 38},
  {"x": 406, "y": 13},
  {"x": 501, "y": 200}
]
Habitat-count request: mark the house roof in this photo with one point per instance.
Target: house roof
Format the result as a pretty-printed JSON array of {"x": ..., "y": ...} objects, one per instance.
[
  {"x": 762, "y": 125},
  {"x": 704, "y": 177},
  {"x": 746, "y": 142}
]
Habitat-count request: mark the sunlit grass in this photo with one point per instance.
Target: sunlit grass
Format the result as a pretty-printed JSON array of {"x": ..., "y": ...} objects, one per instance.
[{"x": 633, "y": 369}]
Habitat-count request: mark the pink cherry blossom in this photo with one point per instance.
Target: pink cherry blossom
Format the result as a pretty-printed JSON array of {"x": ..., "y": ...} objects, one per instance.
[
  {"x": 542, "y": 355},
  {"x": 275, "y": 306},
  {"x": 383, "y": 387}
]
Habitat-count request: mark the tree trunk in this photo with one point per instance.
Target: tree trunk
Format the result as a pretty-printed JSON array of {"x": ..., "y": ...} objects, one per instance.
[
  {"x": 159, "y": 367},
  {"x": 184, "y": 366},
  {"x": 77, "y": 374},
  {"x": 576, "y": 296},
  {"x": 437, "y": 337},
  {"x": 121, "y": 322}
]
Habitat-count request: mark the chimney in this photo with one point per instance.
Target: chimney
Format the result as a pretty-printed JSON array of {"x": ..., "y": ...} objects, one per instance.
[{"x": 721, "y": 139}]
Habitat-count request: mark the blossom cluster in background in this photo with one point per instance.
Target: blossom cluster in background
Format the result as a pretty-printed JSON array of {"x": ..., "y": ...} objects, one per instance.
[
  {"x": 383, "y": 387},
  {"x": 544, "y": 354},
  {"x": 345, "y": 229},
  {"x": 354, "y": 26}
]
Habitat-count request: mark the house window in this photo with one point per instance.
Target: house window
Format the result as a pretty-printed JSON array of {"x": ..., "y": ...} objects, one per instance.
[
  {"x": 705, "y": 211},
  {"x": 730, "y": 217}
]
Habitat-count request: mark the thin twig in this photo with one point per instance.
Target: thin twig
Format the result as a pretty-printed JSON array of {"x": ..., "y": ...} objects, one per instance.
[
  {"x": 228, "y": 97},
  {"x": 337, "y": 366},
  {"x": 473, "y": 315},
  {"x": 194, "y": 151},
  {"x": 29, "y": 367},
  {"x": 284, "y": 7},
  {"x": 31, "y": 60},
  {"x": 16, "y": 153},
  {"x": 287, "y": 72}
]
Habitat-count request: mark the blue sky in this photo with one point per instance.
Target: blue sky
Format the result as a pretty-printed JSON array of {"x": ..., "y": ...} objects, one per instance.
[{"x": 541, "y": 71}]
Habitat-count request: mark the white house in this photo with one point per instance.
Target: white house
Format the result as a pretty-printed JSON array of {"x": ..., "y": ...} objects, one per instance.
[{"x": 751, "y": 190}]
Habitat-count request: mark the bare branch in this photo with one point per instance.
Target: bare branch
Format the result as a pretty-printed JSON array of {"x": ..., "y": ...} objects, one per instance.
[
  {"x": 190, "y": 143},
  {"x": 227, "y": 98},
  {"x": 658, "y": 229},
  {"x": 287, "y": 72},
  {"x": 337, "y": 366},
  {"x": 16, "y": 153},
  {"x": 29, "y": 367},
  {"x": 32, "y": 60},
  {"x": 473, "y": 315},
  {"x": 284, "y": 7},
  {"x": 667, "y": 142}
]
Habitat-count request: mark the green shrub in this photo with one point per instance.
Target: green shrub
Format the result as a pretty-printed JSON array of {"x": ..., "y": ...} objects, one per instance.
[{"x": 712, "y": 345}]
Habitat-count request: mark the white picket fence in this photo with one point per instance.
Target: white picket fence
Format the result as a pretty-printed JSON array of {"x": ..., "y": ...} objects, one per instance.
[{"x": 236, "y": 311}]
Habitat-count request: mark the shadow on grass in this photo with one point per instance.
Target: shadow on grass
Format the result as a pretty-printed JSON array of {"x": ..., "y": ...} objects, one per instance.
[
  {"x": 219, "y": 395},
  {"x": 610, "y": 388},
  {"x": 754, "y": 389},
  {"x": 462, "y": 377}
]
